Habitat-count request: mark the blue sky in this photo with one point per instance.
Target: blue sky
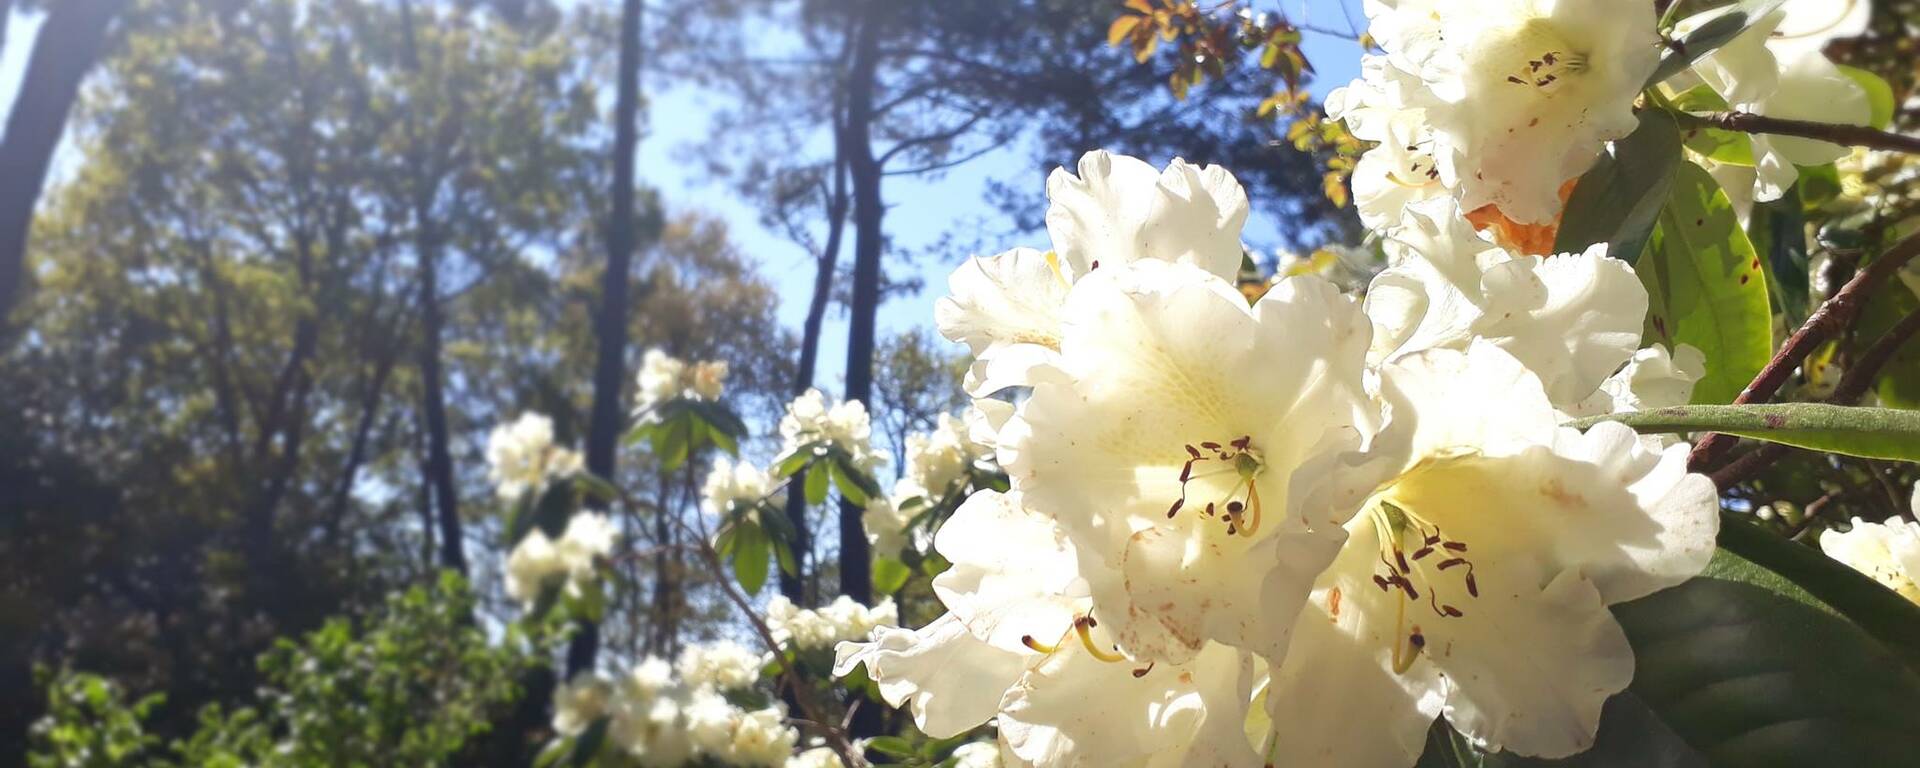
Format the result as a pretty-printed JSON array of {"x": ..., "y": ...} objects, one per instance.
[{"x": 921, "y": 210}]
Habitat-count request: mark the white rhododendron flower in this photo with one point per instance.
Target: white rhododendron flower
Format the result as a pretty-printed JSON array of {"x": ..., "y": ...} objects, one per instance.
[
  {"x": 817, "y": 757},
  {"x": 1018, "y": 644},
  {"x": 938, "y": 459},
  {"x": 732, "y": 484},
  {"x": 1118, "y": 210},
  {"x": 579, "y": 702},
  {"x": 722, "y": 665},
  {"x": 885, "y": 521},
  {"x": 662, "y": 721},
  {"x": 1889, "y": 552},
  {"x": 1484, "y": 544},
  {"x": 976, "y": 754},
  {"x": 844, "y": 425},
  {"x": 521, "y": 455},
  {"x": 538, "y": 560},
  {"x": 1573, "y": 319},
  {"x": 1166, "y": 440},
  {"x": 1654, "y": 378},
  {"x": 664, "y": 377},
  {"x": 842, "y": 619},
  {"x": 1763, "y": 73},
  {"x": 708, "y": 380},
  {"x": 1517, "y": 96}
]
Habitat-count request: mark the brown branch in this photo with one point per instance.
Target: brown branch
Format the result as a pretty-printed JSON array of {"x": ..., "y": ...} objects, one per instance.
[
  {"x": 1855, "y": 383},
  {"x": 1847, "y": 135},
  {"x": 836, "y": 737},
  {"x": 1834, "y": 316}
]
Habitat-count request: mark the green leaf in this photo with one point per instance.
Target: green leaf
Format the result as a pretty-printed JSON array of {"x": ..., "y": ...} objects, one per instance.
[
  {"x": 1751, "y": 677},
  {"x": 750, "y": 558},
  {"x": 783, "y": 556},
  {"x": 1879, "y": 611},
  {"x": 849, "y": 488},
  {"x": 588, "y": 746},
  {"x": 1778, "y": 230},
  {"x": 1631, "y": 735},
  {"x": 1704, "y": 39},
  {"x": 1898, "y": 384},
  {"x": 678, "y": 442},
  {"x": 1874, "y": 433},
  {"x": 889, "y": 575},
  {"x": 1718, "y": 144},
  {"x": 1879, "y": 94},
  {"x": 787, "y": 465},
  {"x": 816, "y": 486},
  {"x": 892, "y": 746},
  {"x": 1705, "y": 286},
  {"x": 1617, "y": 201}
]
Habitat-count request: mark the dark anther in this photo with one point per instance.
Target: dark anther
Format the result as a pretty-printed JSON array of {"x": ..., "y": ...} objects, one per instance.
[
  {"x": 1473, "y": 587},
  {"x": 1401, "y": 558},
  {"x": 1455, "y": 546},
  {"x": 1175, "y": 509},
  {"x": 1234, "y": 507},
  {"x": 1515, "y": 80},
  {"x": 1450, "y": 611},
  {"x": 1192, "y": 451},
  {"x": 1422, "y": 552},
  {"x": 1142, "y": 672},
  {"x": 1451, "y": 562},
  {"x": 1381, "y": 582}
]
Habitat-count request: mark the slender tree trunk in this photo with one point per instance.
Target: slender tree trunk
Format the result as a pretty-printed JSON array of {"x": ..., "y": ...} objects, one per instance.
[
  {"x": 69, "y": 43},
  {"x": 610, "y": 370},
  {"x": 426, "y": 240},
  {"x": 856, "y": 565},
  {"x": 793, "y": 585}
]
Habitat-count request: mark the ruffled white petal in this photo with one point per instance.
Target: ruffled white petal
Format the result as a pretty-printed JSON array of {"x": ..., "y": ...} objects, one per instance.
[{"x": 952, "y": 680}]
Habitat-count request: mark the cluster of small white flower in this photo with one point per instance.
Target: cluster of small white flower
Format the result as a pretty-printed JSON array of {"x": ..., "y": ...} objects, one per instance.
[
  {"x": 845, "y": 425},
  {"x": 843, "y": 619},
  {"x": 538, "y": 560},
  {"x": 1302, "y": 495},
  {"x": 660, "y": 721},
  {"x": 521, "y": 455},
  {"x": 664, "y": 377},
  {"x": 731, "y": 484}
]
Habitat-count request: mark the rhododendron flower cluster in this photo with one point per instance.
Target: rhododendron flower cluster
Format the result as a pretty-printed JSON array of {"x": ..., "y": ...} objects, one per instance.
[
  {"x": 659, "y": 720},
  {"x": 812, "y": 421},
  {"x": 1222, "y": 509},
  {"x": 522, "y": 455},
  {"x": 734, "y": 484},
  {"x": 538, "y": 561},
  {"x": 842, "y": 619},
  {"x": 1888, "y": 552},
  {"x": 664, "y": 377},
  {"x": 1494, "y": 103}
]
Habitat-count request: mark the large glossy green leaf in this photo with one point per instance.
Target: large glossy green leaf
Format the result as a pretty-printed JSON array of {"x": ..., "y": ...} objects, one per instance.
[
  {"x": 1617, "y": 201},
  {"x": 1755, "y": 679},
  {"x": 1758, "y": 556},
  {"x": 1874, "y": 433},
  {"x": 1705, "y": 286}
]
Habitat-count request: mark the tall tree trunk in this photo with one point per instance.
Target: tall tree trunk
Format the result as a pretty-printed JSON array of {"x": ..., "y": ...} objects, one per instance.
[
  {"x": 856, "y": 579},
  {"x": 453, "y": 552},
  {"x": 69, "y": 43},
  {"x": 610, "y": 369},
  {"x": 793, "y": 585},
  {"x": 427, "y": 242}
]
